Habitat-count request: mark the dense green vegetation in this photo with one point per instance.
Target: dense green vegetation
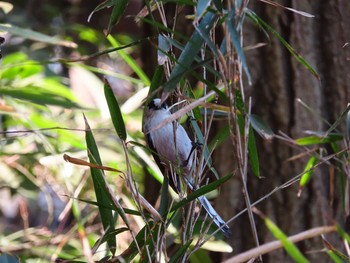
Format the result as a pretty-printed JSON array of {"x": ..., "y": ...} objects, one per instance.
[{"x": 72, "y": 155}]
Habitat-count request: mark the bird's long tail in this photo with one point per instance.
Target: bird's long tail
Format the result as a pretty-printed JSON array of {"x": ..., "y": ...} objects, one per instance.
[
  {"x": 215, "y": 216},
  {"x": 212, "y": 212}
]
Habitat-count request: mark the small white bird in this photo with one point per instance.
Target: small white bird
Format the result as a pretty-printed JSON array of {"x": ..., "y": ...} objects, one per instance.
[{"x": 171, "y": 145}]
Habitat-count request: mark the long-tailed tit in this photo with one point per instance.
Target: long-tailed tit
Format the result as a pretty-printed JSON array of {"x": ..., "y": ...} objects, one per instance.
[{"x": 171, "y": 146}]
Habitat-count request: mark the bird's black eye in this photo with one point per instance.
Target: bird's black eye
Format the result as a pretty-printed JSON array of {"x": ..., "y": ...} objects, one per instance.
[{"x": 155, "y": 105}]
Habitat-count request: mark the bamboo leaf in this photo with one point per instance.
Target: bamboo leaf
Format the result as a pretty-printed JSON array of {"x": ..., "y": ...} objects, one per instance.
[
  {"x": 146, "y": 237},
  {"x": 347, "y": 132},
  {"x": 307, "y": 173},
  {"x": 183, "y": 249},
  {"x": 129, "y": 60},
  {"x": 115, "y": 112},
  {"x": 290, "y": 248},
  {"x": 157, "y": 80},
  {"x": 36, "y": 36},
  {"x": 261, "y": 127},
  {"x": 163, "y": 49},
  {"x": 201, "y": 191},
  {"x": 100, "y": 188},
  {"x": 253, "y": 153},
  {"x": 257, "y": 20},
  {"x": 204, "y": 146},
  {"x": 191, "y": 49},
  {"x": 110, "y": 207},
  {"x": 235, "y": 40},
  {"x": 318, "y": 139},
  {"x": 118, "y": 9},
  {"x": 202, "y": 6},
  {"x": 338, "y": 120},
  {"x": 39, "y": 96}
]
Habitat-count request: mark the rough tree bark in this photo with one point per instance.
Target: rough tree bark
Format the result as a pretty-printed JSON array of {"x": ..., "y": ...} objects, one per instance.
[{"x": 278, "y": 81}]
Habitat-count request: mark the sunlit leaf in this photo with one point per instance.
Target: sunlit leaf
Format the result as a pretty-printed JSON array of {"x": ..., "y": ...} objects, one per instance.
[
  {"x": 307, "y": 173},
  {"x": 311, "y": 140},
  {"x": 290, "y": 248},
  {"x": 22, "y": 71}
]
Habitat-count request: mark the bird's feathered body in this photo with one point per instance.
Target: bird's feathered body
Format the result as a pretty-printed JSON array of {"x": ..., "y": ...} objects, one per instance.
[{"x": 171, "y": 145}]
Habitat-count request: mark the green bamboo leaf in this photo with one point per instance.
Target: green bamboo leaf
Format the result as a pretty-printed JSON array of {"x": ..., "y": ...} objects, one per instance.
[
  {"x": 205, "y": 36},
  {"x": 204, "y": 146},
  {"x": 253, "y": 153},
  {"x": 236, "y": 42},
  {"x": 36, "y": 36},
  {"x": 221, "y": 136},
  {"x": 164, "y": 198},
  {"x": 39, "y": 96},
  {"x": 103, "y": 5},
  {"x": 107, "y": 236},
  {"x": 334, "y": 253},
  {"x": 191, "y": 49},
  {"x": 107, "y": 218},
  {"x": 318, "y": 139},
  {"x": 201, "y": 191},
  {"x": 347, "y": 131},
  {"x": 290, "y": 248},
  {"x": 200, "y": 62},
  {"x": 343, "y": 233},
  {"x": 308, "y": 171},
  {"x": 339, "y": 120},
  {"x": 130, "y": 61},
  {"x": 111, "y": 207},
  {"x": 118, "y": 9},
  {"x": 157, "y": 80},
  {"x": 115, "y": 112},
  {"x": 183, "y": 249},
  {"x": 261, "y": 23},
  {"x": 147, "y": 236},
  {"x": 335, "y": 258},
  {"x": 21, "y": 71}
]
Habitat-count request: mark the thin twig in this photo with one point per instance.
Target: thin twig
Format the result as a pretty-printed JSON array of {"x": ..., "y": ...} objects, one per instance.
[{"x": 271, "y": 246}]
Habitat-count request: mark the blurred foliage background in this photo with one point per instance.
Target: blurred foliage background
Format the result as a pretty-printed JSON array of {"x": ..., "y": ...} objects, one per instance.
[{"x": 283, "y": 80}]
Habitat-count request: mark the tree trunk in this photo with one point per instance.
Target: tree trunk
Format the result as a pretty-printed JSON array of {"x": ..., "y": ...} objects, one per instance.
[{"x": 279, "y": 80}]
